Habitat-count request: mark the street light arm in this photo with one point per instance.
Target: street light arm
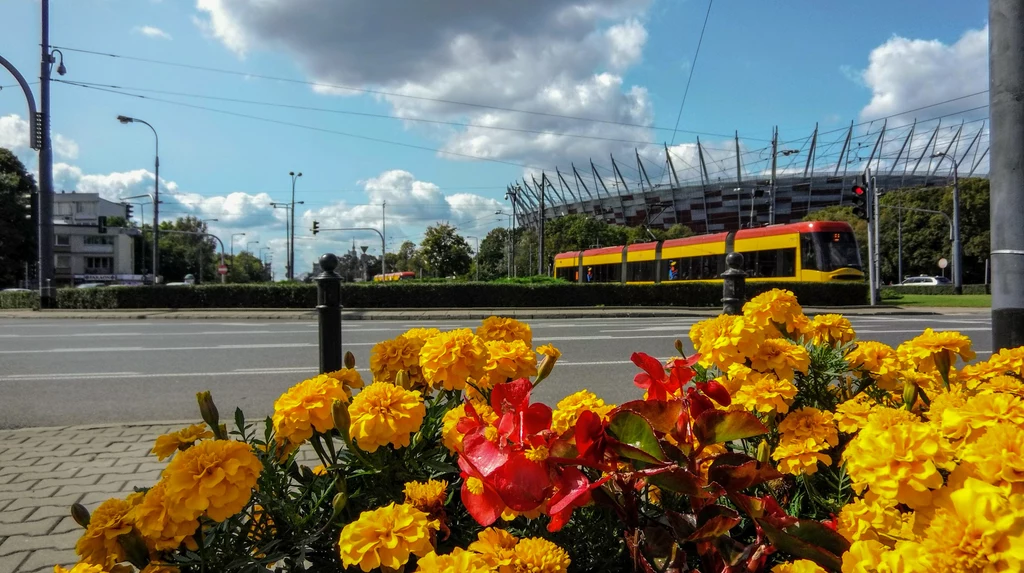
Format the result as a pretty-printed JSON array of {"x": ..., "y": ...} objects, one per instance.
[{"x": 29, "y": 98}]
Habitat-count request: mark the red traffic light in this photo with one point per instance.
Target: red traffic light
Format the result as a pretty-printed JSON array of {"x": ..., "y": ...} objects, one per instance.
[{"x": 858, "y": 190}]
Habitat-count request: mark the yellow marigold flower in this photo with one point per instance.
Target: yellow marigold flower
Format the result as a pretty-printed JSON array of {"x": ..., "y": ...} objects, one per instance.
[
  {"x": 798, "y": 566},
  {"x": 1003, "y": 385},
  {"x": 421, "y": 334},
  {"x": 781, "y": 356},
  {"x": 538, "y": 555},
  {"x": 389, "y": 357},
  {"x": 931, "y": 347},
  {"x": 549, "y": 350},
  {"x": 167, "y": 444},
  {"x": 426, "y": 496},
  {"x": 216, "y": 477},
  {"x": 450, "y": 435},
  {"x": 319, "y": 470},
  {"x": 569, "y": 409},
  {"x": 386, "y": 537},
  {"x": 852, "y": 414},
  {"x": 349, "y": 378},
  {"x": 99, "y": 545},
  {"x": 864, "y": 557},
  {"x": 726, "y": 339},
  {"x": 507, "y": 361},
  {"x": 980, "y": 531},
  {"x": 810, "y": 424},
  {"x": 306, "y": 407},
  {"x": 736, "y": 376},
  {"x": 898, "y": 457},
  {"x": 385, "y": 414},
  {"x": 930, "y": 382},
  {"x": 967, "y": 423},
  {"x": 155, "y": 567},
  {"x": 830, "y": 329},
  {"x": 495, "y": 546},
  {"x": 80, "y": 568},
  {"x": 458, "y": 561},
  {"x": 765, "y": 393},
  {"x": 774, "y": 307},
  {"x": 505, "y": 329},
  {"x": 451, "y": 358},
  {"x": 154, "y": 521},
  {"x": 879, "y": 360},
  {"x": 862, "y": 519},
  {"x": 997, "y": 457},
  {"x": 800, "y": 456}
]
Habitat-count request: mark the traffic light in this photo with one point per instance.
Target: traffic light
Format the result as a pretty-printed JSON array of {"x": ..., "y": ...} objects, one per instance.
[
  {"x": 316, "y": 227},
  {"x": 860, "y": 198},
  {"x": 128, "y": 210},
  {"x": 101, "y": 225}
]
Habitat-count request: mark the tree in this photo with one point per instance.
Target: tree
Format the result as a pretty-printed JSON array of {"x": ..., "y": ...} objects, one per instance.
[
  {"x": 18, "y": 193},
  {"x": 445, "y": 251},
  {"x": 245, "y": 268},
  {"x": 493, "y": 256},
  {"x": 180, "y": 254}
]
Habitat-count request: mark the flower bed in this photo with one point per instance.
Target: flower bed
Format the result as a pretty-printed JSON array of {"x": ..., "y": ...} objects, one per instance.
[{"x": 784, "y": 444}]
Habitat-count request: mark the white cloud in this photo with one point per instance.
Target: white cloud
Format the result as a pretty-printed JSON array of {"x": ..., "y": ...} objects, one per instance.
[
  {"x": 908, "y": 73},
  {"x": 152, "y": 32},
  {"x": 14, "y": 136},
  {"x": 554, "y": 57}
]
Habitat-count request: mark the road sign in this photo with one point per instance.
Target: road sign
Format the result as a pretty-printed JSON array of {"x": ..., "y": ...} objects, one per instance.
[
  {"x": 943, "y": 263},
  {"x": 222, "y": 269}
]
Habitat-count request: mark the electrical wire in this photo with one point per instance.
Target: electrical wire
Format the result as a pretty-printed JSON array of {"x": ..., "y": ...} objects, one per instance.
[{"x": 693, "y": 66}]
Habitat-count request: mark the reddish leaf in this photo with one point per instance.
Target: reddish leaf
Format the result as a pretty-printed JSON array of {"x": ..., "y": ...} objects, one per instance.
[
  {"x": 573, "y": 491},
  {"x": 522, "y": 484},
  {"x": 662, "y": 415},
  {"x": 716, "y": 426},
  {"x": 633, "y": 431},
  {"x": 800, "y": 548},
  {"x": 714, "y": 520},
  {"x": 677, "y": 480},
  {"x": 819, "y": 534},
  {"x": 739, "y": 478}
]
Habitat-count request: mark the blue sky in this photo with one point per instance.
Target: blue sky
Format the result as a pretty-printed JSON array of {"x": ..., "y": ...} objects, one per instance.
[{"x": 761, "y": 64}]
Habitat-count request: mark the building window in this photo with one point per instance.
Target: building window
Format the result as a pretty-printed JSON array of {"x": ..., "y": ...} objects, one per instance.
[
  {"x": 62, "y": 240},
  {"x": 63, "y": 262},
  {"x": 94, "y": 264},
  {"x": 99, "y": 240},
  {"x": 85, "y": 208},
  {"x": 65, "y": 208}
]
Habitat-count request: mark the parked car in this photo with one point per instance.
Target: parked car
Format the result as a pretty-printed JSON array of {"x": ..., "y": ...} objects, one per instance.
[
  {"x": 926, "y": 281},
  {"x": 91, "y": 285},
  {"x": 17, "y": 290},
  {"x": 177, "y": 284}
]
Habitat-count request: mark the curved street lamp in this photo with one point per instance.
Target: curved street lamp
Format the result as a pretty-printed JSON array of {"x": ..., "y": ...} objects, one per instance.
[{"x": 156, "y": 192}]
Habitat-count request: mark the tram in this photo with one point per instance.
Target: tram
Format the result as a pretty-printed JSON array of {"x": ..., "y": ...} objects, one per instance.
[{"x": 403, "y": 276}]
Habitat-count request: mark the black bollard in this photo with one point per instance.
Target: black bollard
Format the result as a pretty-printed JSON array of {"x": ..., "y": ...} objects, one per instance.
[
  {"x": 733, "y": 284},
  {"x": 328, "y": 309}
]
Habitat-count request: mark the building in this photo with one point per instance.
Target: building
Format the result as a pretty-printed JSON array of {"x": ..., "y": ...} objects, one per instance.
[{"x": 82, "y": 253}]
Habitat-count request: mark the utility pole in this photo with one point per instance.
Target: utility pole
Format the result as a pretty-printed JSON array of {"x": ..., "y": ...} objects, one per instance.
[
  {"x": 775, "y": 159},
  {"x": 46, "y": 276},
  {"x": 540, "y": 234},
  {"x": 876, "y": 207},
  {"x": 1006, "y": 174},
  {"x": 291, "y": 235},
  {"x": 872, "y": 272},
  {"x": 383, "y": 238},
  {"x": 958, "y": 271}
]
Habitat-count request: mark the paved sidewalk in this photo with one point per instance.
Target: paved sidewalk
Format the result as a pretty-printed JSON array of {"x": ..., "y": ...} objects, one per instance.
[{"x": 452, "y": 313}]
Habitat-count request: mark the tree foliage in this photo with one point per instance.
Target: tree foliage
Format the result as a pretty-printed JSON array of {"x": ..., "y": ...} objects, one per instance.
[
  {"x": 17, "y": 231},
  {"x": 446, "y": 252},
  {"x": 183, "y": 254}
]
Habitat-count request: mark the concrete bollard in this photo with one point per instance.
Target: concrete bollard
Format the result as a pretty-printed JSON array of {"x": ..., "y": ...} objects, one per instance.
[
  {"x": 733, "y": 284},
  {"x": 328, "y": 309}
]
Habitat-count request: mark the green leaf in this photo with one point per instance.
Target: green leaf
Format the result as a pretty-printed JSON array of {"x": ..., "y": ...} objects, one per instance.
[
  {"x": 819, "y": 534},
  {"x": 661, "y": 415},
  {"x": 801, "y": 548},
  {"x": 635, "y": 433},
  {"x": 714, "y": 520},
  {"x": 716, "y": 426},
  {"x": 677, "y": 480}
]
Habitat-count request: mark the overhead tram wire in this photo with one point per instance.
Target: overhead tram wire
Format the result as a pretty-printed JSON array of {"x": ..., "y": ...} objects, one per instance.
[
  {"x": 250, "y": 75},
  {"x": 693, "y": 66}
]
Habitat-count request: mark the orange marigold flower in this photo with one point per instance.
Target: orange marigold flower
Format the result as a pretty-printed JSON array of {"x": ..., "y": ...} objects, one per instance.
[
  {"x": 774, "y": 307},
  {"x": 930, "y": 349},
  {"x": 99, "y": 545},
  {"x": 451, "y": 358},
  {"x": 421, "y": 334},
  {"x": 385, "y": 414},
  {"x": 968, "y": 422},
  {"x": 549, "y": 350},
  {"x": 810, "y": 424},
  {"x": 154, "y": 521},
  {"x": 879, "y": 360},
  {"x": 765, "y": 393},
  {"x": 852, "y": 414},
  {"x": 863, "y": 519},
  {"x": 80, "y": 568},
  {"x": 389, "y": 357},
  {"x": 349, "y": 378},
  {"x": 427, "y": 496},
  {"x": 800, "y": 456},
  {"x": 495, "y": 546},
  {"x": 1003, "y": 385},
  {"x": 306, "y": 407},
  {"x": 725, "y": 339},
  {"x": 538, "y": 555},
  {"x": 569, "y": 409},
  {"x": 214, "y": 477},
  {"x": 830, "y": 329},
  {"x": 997, "y": 458},
  {"x": 798, "y": 566},
  {"x": 507, "y": 361},
  {"x": 781, "y": 356},
  {"x": 458, "y": 561},
  {"x": 386, "y": 537},
  {"x": 450, "y": 434},
  {"x": 167, "y": 444},
  {"x": 505, "y": 329}
]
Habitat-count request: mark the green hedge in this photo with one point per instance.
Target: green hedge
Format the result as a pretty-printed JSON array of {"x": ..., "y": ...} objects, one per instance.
[
  {"x": 893, "y": 292},
  {"x": 447, "y": 295},
  {"x": 19, "y": 300}
]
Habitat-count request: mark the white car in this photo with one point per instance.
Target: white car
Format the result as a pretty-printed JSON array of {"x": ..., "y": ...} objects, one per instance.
[{"x": 926, "y": 281}]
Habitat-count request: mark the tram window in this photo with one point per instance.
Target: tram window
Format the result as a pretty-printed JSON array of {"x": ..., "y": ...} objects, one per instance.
[
  {"x": 611, "y": 273},
  {"x": 640, "y": 271},
  {"x": 566, "y": 273},
  {"x": 808, "y": 257},
  {"x": 770, "y": 263}
]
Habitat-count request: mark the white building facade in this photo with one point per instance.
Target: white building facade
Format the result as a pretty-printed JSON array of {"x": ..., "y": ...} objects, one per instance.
[{"x": 81, "y": 252}]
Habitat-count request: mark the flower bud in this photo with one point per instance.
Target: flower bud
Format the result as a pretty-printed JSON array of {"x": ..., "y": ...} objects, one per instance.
[
  {"x": 134, "y": 548},
  {"x": 342, "y": 419},
  {"x": 209, "y": 412},
  {"x": 763, "y": 452},
  {"x": 402, "y": 380},
  {"x": 910, "y": 392},
  {"x": 679, "y": 347},
  {"x": 339, "y": 502},
  {"x": 544, "y": 370},
  {"x": 80, "y": 514},
  {"x": 350, "y": 360}
]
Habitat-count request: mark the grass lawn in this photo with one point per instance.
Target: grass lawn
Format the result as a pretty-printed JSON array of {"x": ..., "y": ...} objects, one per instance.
[{"x": 964, "y": 300}]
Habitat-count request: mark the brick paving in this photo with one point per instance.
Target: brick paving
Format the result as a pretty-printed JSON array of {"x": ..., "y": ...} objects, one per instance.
[{"x": 45, "y": 470}]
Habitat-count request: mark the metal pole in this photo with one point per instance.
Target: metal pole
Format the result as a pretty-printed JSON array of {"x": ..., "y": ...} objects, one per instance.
[
  {"x": 383, "y": 238},
  {"x": 871, "y": 244},
  {"x": 512, "y": 238},
  {"x": 328, "y": 310},
  {"x": 156, "y": 207},
  {"x": 899, "y": 239},
  {"x": 733, "y": 285},
  {"x": 775, "y": 158},
  {"x": 958, "y": 259},
  {"x": 540, "y": 234},
  {"x": 876, "y": 206},
  {"x": 477, "y": 257},
  {"x": 45, "y": 238}
]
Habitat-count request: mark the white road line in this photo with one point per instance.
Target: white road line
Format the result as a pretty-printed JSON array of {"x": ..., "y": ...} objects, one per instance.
[{"x": 919, "y": 330}]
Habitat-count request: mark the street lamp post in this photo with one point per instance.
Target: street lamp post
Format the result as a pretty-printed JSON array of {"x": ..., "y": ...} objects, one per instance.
[
  {"x": 233, "y": 245},
  {"x": 958, "y": 271},
  {"x": 142, "y": 218},
  {"x": 250, "y": 243},
  {"x": 508, "y": 243},
  {"x": 513, "y": 195},
  {"x": 156, "y": 193},
  {"x": 477, "y": 257},
  {"x": 291, "y": 242}
]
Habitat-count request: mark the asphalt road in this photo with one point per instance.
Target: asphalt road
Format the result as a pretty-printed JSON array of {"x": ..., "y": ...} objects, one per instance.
[{"x": 64, "y": 372}]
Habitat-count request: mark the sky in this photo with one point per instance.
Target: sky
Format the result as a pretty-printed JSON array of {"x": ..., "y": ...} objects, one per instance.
[{"x": 435, "y": 107}]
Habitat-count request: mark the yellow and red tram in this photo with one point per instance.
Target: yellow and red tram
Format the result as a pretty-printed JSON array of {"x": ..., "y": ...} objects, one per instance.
[
  {"x": 812, "y": 251},
  {"x": 402, "y": 276}
]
